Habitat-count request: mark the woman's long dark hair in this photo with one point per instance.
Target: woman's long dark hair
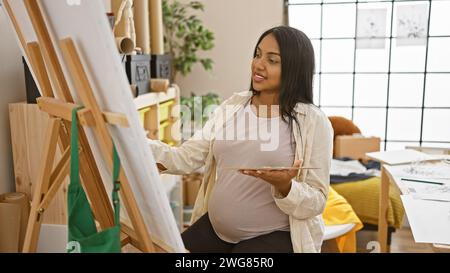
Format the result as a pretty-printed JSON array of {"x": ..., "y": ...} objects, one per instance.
[{"x": 297, "y": 69}]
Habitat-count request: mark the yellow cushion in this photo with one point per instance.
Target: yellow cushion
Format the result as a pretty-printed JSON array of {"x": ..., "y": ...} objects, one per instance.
[
  {"x": 337, "y": 212},
  {"x": 363, "y": 196}
]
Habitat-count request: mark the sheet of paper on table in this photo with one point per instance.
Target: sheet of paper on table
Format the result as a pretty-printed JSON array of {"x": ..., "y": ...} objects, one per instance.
[
  {"x": 428, "y": 181},
  {"x": 435, "y": 172},
  {"x": 433, "y": 197},
  {"x": 399, "y": 157},
  {"x": 426, "y": 191},
  {"x": 429, "y": 220}
]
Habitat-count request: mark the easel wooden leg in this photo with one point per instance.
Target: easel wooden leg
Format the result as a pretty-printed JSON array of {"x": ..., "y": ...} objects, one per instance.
[
  {"x": 93, "y": 185},
  {"x": 86, "y": 95},
  {"x": 35, "y": 220},
  {"x": 90, "y": 175},
  {"x": 48, "y": 51},
  {"x": 37, "y": 62},
  {"x": 59, "y": 174},
  {"x": 383, "y": 211}
]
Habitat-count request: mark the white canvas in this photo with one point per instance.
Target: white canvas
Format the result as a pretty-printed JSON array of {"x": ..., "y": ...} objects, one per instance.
[{"x": 86, "y": 23}]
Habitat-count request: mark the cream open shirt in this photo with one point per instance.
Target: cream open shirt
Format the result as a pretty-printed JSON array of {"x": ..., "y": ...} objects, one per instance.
[{"x": 307, "y": 198}]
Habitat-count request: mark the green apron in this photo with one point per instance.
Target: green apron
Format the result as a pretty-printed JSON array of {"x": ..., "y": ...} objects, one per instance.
[{"x": 83, "y": 235}]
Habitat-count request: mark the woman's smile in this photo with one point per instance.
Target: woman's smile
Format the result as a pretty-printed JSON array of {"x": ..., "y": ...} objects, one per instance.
[{"x": 257, "y": 78}]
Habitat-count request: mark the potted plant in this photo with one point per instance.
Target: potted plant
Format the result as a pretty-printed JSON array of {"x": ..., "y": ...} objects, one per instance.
[
  {"x": 185, "y": 36},
  {"x": 200, "y": 107}
]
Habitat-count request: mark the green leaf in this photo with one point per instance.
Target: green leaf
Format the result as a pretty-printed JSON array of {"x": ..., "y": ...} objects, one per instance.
[
  {"x": 207, "y": 63},
  {"x": 197, "y": 5},
  {"x": 185, "y": 35}
]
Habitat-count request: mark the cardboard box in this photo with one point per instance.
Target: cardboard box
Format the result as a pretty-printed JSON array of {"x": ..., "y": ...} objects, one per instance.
[
  {"x": 355, "y": 146},
  {"x": 14, "y": 213},
  {"x": 9, "y": 228}
]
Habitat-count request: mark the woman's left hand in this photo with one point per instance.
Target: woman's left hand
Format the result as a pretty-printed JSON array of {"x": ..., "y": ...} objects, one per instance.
[{"x": 280, "y": 179}]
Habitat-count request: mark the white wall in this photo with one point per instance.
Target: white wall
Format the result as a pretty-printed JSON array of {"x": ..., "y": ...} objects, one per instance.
[
  {"x": 12, "y": 89},
  {"x": 237, "y": 25}
]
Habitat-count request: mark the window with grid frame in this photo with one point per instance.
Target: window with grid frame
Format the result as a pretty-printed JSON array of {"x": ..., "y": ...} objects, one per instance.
[{"x": 383, "y": 64}]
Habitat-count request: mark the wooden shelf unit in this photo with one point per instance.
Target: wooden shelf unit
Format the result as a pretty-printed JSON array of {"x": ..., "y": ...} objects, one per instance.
[
  {"x": 159, "y": 120},
  {"x": 157, "y": 117}
]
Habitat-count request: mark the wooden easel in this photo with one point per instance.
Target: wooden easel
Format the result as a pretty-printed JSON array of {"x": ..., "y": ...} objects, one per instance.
[{"x": 49, "y": 181}]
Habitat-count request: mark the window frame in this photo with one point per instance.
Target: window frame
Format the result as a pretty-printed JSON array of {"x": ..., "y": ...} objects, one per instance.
[{"x": 318, "y": 74}]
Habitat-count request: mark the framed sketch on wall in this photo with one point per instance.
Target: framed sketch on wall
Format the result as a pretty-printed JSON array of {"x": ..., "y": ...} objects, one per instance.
[
  {"x": 371, "y": 28},
  {"x": 412, "y": 25}
]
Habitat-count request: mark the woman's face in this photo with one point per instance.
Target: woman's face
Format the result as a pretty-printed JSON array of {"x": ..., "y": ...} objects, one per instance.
[{"x": 266, "y": 66}]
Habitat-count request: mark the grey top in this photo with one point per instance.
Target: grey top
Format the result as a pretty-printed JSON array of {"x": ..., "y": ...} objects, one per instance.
[{"x": 242, "y": 207}]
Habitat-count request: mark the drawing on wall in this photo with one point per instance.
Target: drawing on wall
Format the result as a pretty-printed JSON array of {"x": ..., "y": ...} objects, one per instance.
[
  {"x": 412, "y": 25},
  {"x": 371, "y": 28}
]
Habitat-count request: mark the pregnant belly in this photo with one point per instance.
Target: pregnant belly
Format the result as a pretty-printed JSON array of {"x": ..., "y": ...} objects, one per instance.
[{"x": 244, "y": 214}]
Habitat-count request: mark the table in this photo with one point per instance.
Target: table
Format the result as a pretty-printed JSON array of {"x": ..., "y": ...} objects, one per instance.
[{"x": 390, "y": 174}]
